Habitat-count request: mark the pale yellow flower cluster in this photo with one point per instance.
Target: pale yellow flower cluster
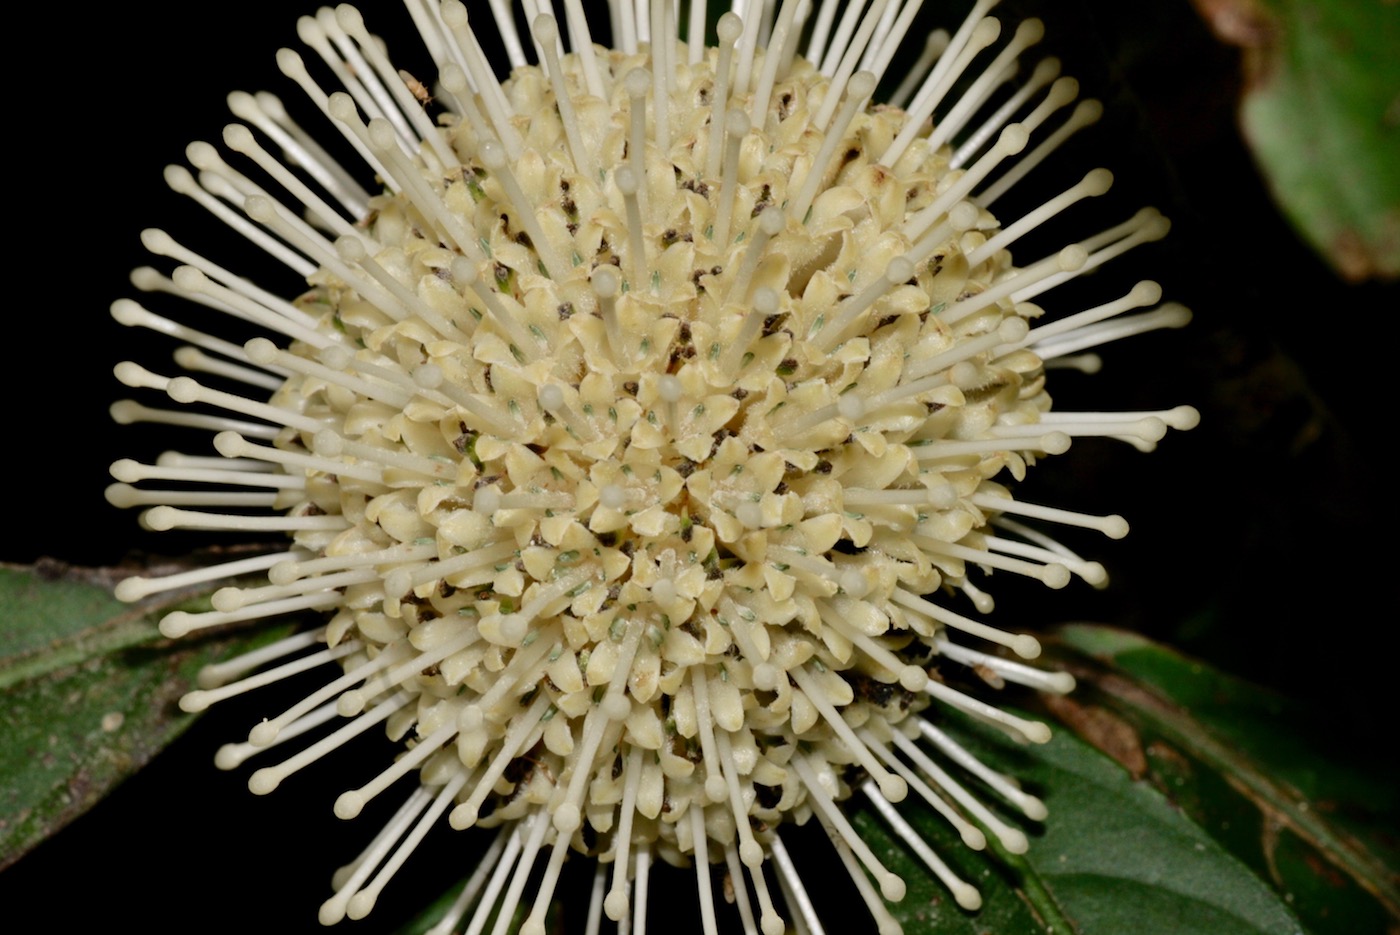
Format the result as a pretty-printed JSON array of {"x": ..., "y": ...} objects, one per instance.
[{"x": 639, "y": 438}]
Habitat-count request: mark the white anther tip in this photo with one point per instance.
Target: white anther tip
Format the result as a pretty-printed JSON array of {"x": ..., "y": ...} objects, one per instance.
[
  {"x": 129, "y": 373},
  {"x": 202, "y": 155},
  {"x": 1047, "y": 70},
  {"x": 263, "y": 734},
  {"x": 772, "y": 925},
  {"x": 189, "y": 278},
  {"x": 230, "y": 444},
  {"x": 728, "y": 28},
  {"x": 261, "y": 350},
  {"x": 974, "y": 838},
  {"x": 670, "y": 388},
  {"x": 1098, "y": 181},
  {"x": 963, "y": 215},
  {"x": 1183, "y": 417},
  {"x": 1025, "y": 646},
  {"x": 156, "y": 241},
  {"x": 750, "y": 514},
  {"x": 612, "y": 497},
  {"x": 349, "y": 18},
  {"x": 615, "y": 707},
  {"x": 160, "y": 518},
  {"x": 183, "y": 389},
  {"x": 861, "y": 86},
  {"x": 1072, "y": 258},
  {"x": 242, "y": 104},
  {"x": 1013, "y": 139},
  {"x": 551, "y": 397},
  {"x": 341, "y": 106},
  {"x": 637, "y": 82},
  {"x": 1013, "y": 329},
  {"x": 627, "y": 181},
  {"x": 192, "y": 702},
  {"x": 1014, "y": 841},
  {"x": 227, "y": 599},
  {"x": 913, "y": 679},
  {"x": 615, "y": 905},
  {"x": 1146, "y": 293},
  {"x": 349, "y": 805},
  {"x": 381, "y": 134},
  {"x": 121, "y": 496},
  {"x": 228, "y": 757},
  {"x": 362, "y": 903},
  {"x": 1055, "y": 443},
  {"x": 127, "y": 312},
  {"x": 454, "y": 13},
  {"x": 1055, "y": 576},
  {"x": 606, "y": 281},
  {"x": 853, "y": 583},
  {"x": 132, "y": 589},
  {"x": 1152, "y": 429},
  {"x": 493, "y": 155},
  {"x": 751, "y": 854},
  {"x": 351, "y": 249},
  {"x": 238, "y": 137},
  {"x": 893, "y": 788},
  {"x": 567, "y": 818},
  {"x": 290, "y": 63},
  {"x": 892, "y": 887},
  {"x": 179, "y": 179},
  {"x": 463, "y": 816},
  {"x": 428, "y": 376},
  {"x": 714, "y": 788},
  {"x": 454, "y": 79},
  {"x": 351, "y": 703},
  {"x": 1037, "y": 732},
  {"x": 175, "y": 624},
  {"x": 259, "y": 209},
  {"x": 264, "y": 781},
  {"x": 1095, "y": 574},
  {"x": 1034, "y": 809},
  {"x": 546, "y": 29},
  {"x": 765, "y": 676},
  {"x": 331, "y": 911},
  {"x": 899, "y": 270},
  {"x": 327, "y": 444},
  {"x": 147, "y": 279},
  {"x": 968, "y": 898}
]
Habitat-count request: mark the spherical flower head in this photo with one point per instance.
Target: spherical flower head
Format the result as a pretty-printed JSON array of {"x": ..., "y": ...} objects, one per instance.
[{"x": 637, "y": 439}]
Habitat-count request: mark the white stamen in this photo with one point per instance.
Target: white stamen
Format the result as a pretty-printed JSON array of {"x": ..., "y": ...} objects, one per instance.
[{"x": 964, "y": 894}]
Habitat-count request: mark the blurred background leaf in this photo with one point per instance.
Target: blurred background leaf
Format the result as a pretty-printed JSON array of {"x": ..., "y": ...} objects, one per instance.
[
  {"x": 1321, "y": 111},
  {"x": 1251, "y": 767},
  {"x": 89, "y": 689}
]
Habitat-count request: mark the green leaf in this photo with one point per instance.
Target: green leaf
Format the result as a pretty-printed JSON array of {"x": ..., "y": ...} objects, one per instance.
[
  {"x": 89, "y": 687},
  {"x": 1113, "y": 856},
  {"x": 1322, "y": 113},
  {"x": 1238, "y": 760}
]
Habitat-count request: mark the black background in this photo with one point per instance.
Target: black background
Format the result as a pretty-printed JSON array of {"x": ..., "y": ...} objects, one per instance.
[{"x": 1261, "y": 540}]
